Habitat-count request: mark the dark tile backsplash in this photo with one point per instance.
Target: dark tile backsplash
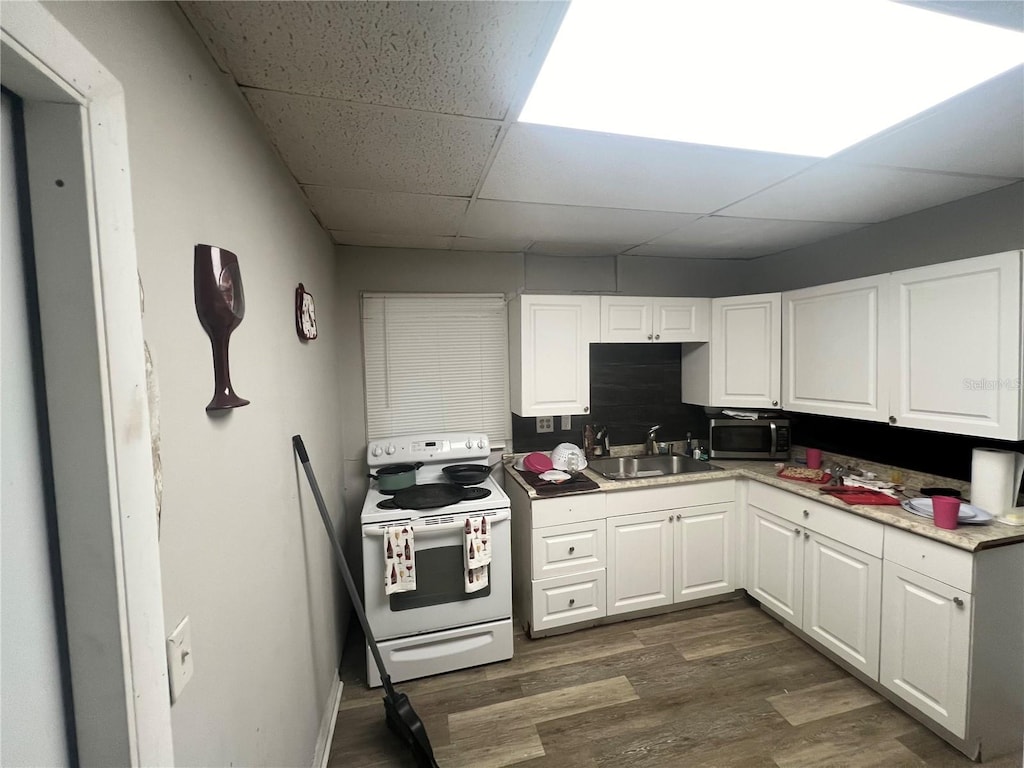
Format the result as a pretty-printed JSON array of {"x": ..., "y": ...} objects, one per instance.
[{"x": 634, "y": 386}]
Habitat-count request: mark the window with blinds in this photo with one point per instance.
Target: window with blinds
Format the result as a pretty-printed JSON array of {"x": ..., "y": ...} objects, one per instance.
[{"x": 436, "y": 362}]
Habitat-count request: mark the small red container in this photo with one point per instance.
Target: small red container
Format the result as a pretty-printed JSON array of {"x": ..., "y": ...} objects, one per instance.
[{"x": 945, "y": 511}]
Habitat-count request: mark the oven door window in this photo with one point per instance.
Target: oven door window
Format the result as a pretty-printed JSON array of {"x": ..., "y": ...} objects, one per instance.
[{"x": 440, "y": 579}]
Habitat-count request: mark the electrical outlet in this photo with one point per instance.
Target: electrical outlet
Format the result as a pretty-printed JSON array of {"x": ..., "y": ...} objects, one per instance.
[
  {"x": 566, "y": 423},
  {"x": 545, "y": 424},
  {"x": 179, "y": 658}
]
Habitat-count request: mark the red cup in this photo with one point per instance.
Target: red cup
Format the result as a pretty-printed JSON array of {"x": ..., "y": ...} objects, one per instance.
[
  {"x": 814, "y": 458},
  {"x": 946, "y": 511}
]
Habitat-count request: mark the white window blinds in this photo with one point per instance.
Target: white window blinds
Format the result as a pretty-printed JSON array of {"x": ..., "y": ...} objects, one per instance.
[{"x": 436, "y": 362}]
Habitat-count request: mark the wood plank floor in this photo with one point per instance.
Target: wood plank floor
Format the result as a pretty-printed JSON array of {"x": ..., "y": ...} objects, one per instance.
[{"x": 722, "y": 685}]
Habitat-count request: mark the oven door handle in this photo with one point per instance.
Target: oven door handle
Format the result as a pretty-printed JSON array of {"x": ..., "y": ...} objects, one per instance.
[{"x": 422, "y": 529}]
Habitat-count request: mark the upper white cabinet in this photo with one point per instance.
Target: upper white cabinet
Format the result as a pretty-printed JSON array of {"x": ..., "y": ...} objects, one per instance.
[
  {"x": 549, "y": 351},
  {"x": 833, "y": 350},
  {"x": 742, "y": 366},
  {"x": 957, "y": 347},
  {"x": 645, "y": 319}
]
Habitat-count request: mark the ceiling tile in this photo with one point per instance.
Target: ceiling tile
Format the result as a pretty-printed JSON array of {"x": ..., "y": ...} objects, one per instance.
[
  {"x": 541, "y": 164},
  {"x": 839, "y": 191},
  {"x": 491, "y": 218},
  {"x": 980, "y": 132},
  {"x": 329, "y": 142},
  {"x": 768, "y": 235},
  {"x": 456, "y": 58},
  {"x": 392, "y": 241},
  {"x": 489, "y": 245},
  {"x": 679, "y": 251},
  {"x": 359, "y": 210}
]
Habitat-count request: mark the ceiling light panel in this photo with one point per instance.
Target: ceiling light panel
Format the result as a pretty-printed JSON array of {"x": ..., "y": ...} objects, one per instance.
[{"x": 803, "y": 77}]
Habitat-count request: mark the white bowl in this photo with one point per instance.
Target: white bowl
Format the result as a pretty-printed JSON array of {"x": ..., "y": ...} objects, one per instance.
[{"x": 560, "y": 456}]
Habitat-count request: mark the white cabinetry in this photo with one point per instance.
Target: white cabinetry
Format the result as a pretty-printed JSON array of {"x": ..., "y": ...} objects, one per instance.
[
  {"x": 549, "y": 353},
  {"x": 741, "y": 366},
  {"x": 818, "y": 568},
  {"x": 957, "y": 361},
  {"x": 832, "y": 349},
  {"x": 670, "y": 545},
  {"x": 646, "y": 319}
]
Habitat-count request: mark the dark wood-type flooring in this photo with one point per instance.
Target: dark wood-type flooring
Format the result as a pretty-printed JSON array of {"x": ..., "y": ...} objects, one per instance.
[{"x": 722, "y": 685}]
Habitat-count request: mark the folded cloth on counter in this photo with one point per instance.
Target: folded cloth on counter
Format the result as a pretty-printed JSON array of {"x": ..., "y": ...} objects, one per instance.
[
  {"x": 399, "y": 559},
  {"x": 477, "y": 553},
  {"x": 853, "y": 495}
]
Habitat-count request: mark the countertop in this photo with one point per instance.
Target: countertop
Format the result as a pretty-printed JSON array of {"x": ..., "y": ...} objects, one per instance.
[{"x": 968, "y": 537}]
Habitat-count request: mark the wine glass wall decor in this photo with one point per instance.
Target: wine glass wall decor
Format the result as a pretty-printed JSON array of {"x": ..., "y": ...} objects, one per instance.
[{"x": 220, "y": 303}]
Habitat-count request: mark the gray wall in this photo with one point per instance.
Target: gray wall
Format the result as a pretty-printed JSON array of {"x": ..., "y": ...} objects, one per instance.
[
  {"x": 988, "y": 223},
  {"x": 242, "y": 548}
]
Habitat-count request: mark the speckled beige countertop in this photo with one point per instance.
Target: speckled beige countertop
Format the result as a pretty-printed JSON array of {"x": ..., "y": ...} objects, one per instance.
[{"x": 968, "y": 537}]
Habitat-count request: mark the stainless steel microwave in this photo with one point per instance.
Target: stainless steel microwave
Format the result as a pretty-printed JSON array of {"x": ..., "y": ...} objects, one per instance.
[{"x": 750, "y": 439}]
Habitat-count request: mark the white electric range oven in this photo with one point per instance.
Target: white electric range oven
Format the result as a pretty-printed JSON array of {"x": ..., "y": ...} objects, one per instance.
[{"x": 439, "y": 626}]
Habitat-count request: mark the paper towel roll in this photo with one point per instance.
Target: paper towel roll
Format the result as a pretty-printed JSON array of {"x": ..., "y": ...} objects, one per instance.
[{"x": 995, "y": 480}]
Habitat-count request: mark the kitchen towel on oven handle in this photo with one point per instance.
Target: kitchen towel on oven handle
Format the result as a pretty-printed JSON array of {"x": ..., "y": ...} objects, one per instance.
[
  {"x": 399, "y": 559},
  {"x": 477, "y": 553}
]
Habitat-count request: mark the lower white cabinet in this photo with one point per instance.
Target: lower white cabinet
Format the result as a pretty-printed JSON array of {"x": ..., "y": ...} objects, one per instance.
[
  {"x": 926, "y": 645},
  {"x": 639, "y": 562},
  {"x": 822, "y": 584}
]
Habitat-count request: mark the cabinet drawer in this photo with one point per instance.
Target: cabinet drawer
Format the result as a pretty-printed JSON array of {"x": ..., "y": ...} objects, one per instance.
[
  {"x": 568, "y": 600},
  {"x": 670, "y": 497},
  {"x": 932, "y": 558},
  {"x": 564, "y": 549},
  {"x": 858, "y": 532},
  {"x": 568, "y": 509}
]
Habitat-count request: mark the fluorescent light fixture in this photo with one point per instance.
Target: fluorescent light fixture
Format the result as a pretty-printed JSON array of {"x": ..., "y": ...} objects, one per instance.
[{"x": 804, "y": 77}]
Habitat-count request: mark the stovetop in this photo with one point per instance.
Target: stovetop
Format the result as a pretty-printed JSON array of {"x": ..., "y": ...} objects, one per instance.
[{"x": 496, "y": 498}]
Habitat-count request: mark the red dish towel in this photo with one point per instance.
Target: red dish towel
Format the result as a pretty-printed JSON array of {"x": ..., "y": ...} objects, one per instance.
[{"x": 853, "y": 495}]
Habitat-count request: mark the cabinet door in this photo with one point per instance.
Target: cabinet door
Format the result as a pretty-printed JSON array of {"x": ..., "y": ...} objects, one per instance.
[
  {"x": 958, "y": 347},
  {"x": 639, "y": 562},
  {"x": 775, "y": 572},
  {"x": 843, "y": 600},
  {"x": 681, "y": 319},
  {"x": 831, "y": 350},
  {"x": 626, "y": 319},
  {"x": 550, "y": 339},
  {"x": 746, "y": 351},
  {"x": 704, "y": 548},
  {"x": 926, "y": 644}
]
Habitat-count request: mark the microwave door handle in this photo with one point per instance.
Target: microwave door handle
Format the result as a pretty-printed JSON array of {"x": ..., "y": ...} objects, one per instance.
[{"x": 775, "y": 438}]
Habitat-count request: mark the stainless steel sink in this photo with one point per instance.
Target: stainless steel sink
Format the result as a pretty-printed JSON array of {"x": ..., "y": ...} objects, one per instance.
[{"x": 633, "y": 467}]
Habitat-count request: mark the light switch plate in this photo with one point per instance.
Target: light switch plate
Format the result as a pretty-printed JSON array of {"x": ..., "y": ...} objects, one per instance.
[
  {"x": 566, "y": 423},
  {"x": 179, "y": 658}
]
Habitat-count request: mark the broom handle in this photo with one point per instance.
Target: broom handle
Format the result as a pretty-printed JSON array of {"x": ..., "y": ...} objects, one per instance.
[{"x": 346, "y": 574}]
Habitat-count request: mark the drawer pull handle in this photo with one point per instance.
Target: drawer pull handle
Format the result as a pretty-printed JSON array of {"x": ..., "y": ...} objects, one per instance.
[
  {"x": 571, "y": 550},
  {"x": 572, "y": 601},
  {"x": 958, "y": 602}
]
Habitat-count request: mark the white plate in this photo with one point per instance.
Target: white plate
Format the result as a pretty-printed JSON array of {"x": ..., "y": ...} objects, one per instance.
[
  {"x": 969, "y": 515},
  {"x": 554, "y": 476}
]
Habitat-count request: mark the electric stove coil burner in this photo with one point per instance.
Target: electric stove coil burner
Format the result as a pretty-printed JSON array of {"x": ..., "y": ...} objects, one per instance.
[{"x": 469, "y": 494}]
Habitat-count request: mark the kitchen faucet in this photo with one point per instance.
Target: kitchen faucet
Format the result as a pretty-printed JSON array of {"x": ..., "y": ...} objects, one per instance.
[{"x": 652, "y": 439}]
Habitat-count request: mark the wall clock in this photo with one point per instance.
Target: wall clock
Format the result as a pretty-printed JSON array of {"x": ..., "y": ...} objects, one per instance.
[{"x": 305, "y": 314}]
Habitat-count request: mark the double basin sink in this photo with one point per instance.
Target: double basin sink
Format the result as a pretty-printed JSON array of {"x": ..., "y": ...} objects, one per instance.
[{"x": 636, "y": 467}]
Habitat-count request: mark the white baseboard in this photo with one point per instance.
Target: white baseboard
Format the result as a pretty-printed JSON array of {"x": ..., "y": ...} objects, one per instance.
[{"x": 330, "y": 718}]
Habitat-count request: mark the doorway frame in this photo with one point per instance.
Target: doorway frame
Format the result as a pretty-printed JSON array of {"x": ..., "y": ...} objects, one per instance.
[{"x": 92, "y": 340}]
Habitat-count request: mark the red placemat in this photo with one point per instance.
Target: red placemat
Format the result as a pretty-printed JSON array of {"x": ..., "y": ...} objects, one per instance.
[
  {"x": 805, "y": 475},
  {"x": 853, "y": 495}
]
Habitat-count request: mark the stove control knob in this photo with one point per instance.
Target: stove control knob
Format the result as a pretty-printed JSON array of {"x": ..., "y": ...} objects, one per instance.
[
  {"x": 469, "y": 444},
  {"x": 377, "y": 450},
  {"x": 390, "y": 449},
  {"x": 480, "y": 444}
]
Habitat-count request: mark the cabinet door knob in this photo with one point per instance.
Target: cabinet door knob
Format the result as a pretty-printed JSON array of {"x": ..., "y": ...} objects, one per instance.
[
  {"x": 807, "y": 535},
  {"x": 586, "y": 409},
  {"x": 657, "y": 336},
  {"x": 775, "y": 402},
  {"x": 892, "y": 419},
  {"x": 571, "y": 550},
  {"x": 796, "y": 530},
  {"x": 572, "y": 601},
  {"x": 650, "y": 336},
  {"x": 806, "y": 513},
  {"x": 958, "y": 602}
]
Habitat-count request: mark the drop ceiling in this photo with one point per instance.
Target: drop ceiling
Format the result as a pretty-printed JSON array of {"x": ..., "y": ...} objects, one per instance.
[{"x": 397, "y": 120}]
